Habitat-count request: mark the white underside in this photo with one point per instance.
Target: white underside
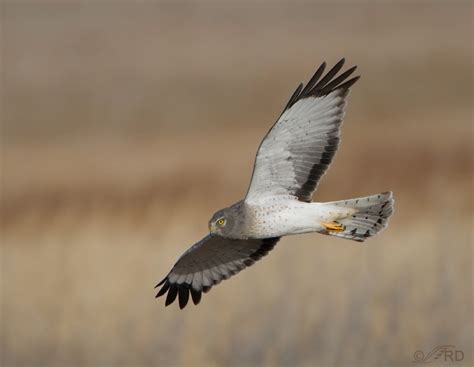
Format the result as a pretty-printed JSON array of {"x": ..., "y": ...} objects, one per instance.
[{"x": 290, "y": 216}]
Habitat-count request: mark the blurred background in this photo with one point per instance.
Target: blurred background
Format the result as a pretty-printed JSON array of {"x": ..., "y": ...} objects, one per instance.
[{"x": 126, "y": 125}]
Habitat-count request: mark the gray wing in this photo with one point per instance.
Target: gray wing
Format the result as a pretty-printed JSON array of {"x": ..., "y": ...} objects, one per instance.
[
  {"x": 207, "y": 263},
  {"x": 299, "y": 147}
]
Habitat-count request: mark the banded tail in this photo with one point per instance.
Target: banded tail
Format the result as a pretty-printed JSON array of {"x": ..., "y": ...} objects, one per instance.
[{"x": 370, "y": 217}]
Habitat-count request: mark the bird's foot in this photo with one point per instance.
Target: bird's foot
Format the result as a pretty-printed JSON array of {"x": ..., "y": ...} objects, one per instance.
[{"x": 333, "y": 226}]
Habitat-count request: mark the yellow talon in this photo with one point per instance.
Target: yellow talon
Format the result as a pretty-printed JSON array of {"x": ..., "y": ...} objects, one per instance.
[{"x": 333, "y": 226}]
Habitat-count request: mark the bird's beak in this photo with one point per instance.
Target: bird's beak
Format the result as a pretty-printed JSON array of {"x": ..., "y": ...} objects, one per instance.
[{"x": 211, "y": 227}]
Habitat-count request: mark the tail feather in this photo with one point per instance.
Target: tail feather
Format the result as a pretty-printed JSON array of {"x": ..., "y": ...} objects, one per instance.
[{"x": 370, "y": 217}]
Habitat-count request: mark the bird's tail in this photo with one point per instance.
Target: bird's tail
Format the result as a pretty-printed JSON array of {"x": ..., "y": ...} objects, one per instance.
[{"x": 369, "y": 216}]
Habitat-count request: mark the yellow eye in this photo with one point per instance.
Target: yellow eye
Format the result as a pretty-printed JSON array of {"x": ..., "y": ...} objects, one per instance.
[{"x": 221, "y": 221}]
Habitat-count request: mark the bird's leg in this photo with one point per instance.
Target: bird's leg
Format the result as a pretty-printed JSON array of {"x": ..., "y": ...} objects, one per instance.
[{"x": 333, "y": 226}]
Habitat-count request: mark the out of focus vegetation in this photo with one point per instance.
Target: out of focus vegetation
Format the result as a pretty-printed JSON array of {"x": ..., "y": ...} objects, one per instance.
[{"x": 124, "y": 126}]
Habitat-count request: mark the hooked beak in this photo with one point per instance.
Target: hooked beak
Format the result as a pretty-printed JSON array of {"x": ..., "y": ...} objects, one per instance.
[{"x": 211, "y": 227}]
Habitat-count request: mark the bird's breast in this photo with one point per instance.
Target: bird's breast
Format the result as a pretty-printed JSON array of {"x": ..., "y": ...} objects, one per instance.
[{"x": 280, "y": 218}]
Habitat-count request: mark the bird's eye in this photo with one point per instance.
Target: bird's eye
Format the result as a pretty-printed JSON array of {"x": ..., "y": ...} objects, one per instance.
[{"x": 221, "y": 221}]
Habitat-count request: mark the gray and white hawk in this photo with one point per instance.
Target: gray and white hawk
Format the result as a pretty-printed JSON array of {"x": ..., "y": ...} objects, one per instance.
[{"x": 290, "y": 161}]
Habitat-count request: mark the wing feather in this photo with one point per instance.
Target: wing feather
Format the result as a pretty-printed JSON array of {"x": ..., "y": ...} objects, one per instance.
[
  {"x": 183, "y": 295},
  {"x": 314, "y": 79},
  {"x": 321, "y": 87},
  {"x": 207, "y": 263},
  {"x": 300, "y": 146}
]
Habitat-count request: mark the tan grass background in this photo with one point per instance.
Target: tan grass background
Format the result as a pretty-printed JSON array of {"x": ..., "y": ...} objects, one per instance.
[{"x": 126, "y": 125}]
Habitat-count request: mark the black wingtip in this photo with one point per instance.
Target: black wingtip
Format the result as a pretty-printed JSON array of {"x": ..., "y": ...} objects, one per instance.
[
  {"x": 160, "y": 283},
  {"x": 336, "y": 83},
  {"x": 163, "y": 290},
  {"x": 314, "y": 79},
  {"x": 294, "y": 97},
  {"x": 321, "y": 85},
  {"x": 172, "y": 293},
  {"x": 183, "y": 296},
  {"x": 340, "y": 63},
  {"x": 349, "y": 83},
  {"x": 320, "y": 88},
  {"x": 196, "y": 296}
]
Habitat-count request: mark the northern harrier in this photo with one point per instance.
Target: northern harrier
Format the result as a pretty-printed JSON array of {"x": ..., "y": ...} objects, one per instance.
[{"x": 290, "y": 160}]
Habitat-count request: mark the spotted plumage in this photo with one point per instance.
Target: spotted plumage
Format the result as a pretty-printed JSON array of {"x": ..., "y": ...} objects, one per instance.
[{"x": 290, "y": 161}]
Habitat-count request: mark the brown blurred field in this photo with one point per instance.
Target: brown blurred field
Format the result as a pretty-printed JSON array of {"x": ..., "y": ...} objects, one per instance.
[{"x": 126, "y": 125}]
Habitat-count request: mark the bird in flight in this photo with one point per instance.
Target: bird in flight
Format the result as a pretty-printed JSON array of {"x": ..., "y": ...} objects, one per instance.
[{"x": 290, "y": 161}]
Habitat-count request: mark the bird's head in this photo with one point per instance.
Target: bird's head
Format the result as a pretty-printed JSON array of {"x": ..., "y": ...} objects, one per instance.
[{"x": 221, "y": 222}]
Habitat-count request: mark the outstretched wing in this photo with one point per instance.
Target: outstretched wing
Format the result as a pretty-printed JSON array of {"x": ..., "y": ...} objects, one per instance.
[
  {"x": 209, "y": 261},
  {"x": 299, "y": 147}
]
